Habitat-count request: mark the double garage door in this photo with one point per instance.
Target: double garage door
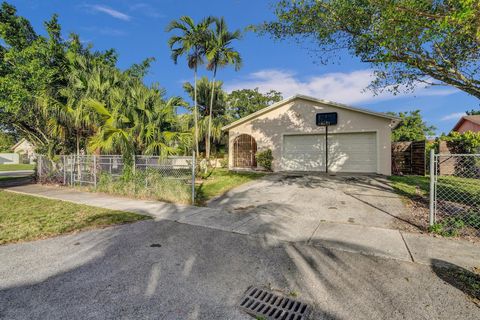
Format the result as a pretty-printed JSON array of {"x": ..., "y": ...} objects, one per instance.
[{"x": 347, "y": 152}]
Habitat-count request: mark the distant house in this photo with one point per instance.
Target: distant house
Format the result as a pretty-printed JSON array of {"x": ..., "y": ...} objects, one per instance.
[
  {"x": 25, "y": 149},
  {"x": 468, "y": 123}
]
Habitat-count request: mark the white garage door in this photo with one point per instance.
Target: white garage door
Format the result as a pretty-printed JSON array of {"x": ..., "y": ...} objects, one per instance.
[{"x": 347, "y": 152}]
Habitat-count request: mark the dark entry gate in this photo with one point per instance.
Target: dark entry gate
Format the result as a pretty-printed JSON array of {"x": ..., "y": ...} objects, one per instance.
[{"x": 244, "y": 149}]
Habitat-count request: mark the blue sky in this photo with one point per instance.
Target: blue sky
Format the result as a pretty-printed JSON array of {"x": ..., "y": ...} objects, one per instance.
[{"x": 136, "y": 31}]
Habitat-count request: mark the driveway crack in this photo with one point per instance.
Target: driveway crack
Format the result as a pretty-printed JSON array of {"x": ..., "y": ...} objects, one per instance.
[
  {"x": 311, "y": 236},
  {"x": 406, "y": 246}
]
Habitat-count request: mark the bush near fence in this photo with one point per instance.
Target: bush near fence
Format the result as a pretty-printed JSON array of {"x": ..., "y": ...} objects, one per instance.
[
  {"x": 456, "y": 189},
  {"x": 146, "y": 184},
  {"x": 148, "y": 177}
]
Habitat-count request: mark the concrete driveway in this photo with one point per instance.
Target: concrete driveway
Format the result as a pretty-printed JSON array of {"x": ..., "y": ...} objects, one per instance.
[
  {"x": 350, "y": 199},
  {"x": 168, "y": 270}
]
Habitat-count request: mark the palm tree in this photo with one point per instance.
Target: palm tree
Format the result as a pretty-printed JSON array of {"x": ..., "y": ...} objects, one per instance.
[
  {"x": 191, "y": 42},
  {"x": 218, "y": 111},
  {"x": 78, "y": 88},
  {"x": 135, "y": 118},
  {"x": 220, "y": 53}
]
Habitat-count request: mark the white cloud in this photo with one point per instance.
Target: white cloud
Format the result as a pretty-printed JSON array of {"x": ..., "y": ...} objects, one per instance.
[
  {"x": 452, "y": 116},
  {"x": 111, "y": 32},
  {"x": 340, "y": 87},
  {"x": 111, "y": 12},
  {"x": 147, "y": 10}
]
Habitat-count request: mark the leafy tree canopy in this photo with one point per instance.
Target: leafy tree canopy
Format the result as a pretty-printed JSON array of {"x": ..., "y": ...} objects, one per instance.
[
  {"x": 466, "y": 142},
  {"x": 6, "y": 141},
  {"x": 411, "y": 127},
  {"x": 204, "y": 90},
  {"x": 473, "y": 112},
  {"x": 63, "y": 96},
  {"x": 408, "y": 42},
  {"x": 241, "y": 103}
]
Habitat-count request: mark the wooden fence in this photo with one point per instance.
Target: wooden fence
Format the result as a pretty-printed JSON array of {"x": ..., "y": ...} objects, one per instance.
[{"x": 408, "y": 158}]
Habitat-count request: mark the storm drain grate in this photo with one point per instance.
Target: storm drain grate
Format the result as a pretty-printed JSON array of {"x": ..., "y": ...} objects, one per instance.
[{"x": 268, "y": 305}]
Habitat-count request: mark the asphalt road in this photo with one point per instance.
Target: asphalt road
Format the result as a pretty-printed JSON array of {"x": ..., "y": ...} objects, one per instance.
[
  {"x": 193, "y": 272},
  {"x": 18, "y": 173}
]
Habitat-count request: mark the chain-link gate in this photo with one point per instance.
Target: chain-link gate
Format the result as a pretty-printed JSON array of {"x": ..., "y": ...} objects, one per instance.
[
  {"x": 143, "y": 176},
  {"x": 455, "y": 194}
]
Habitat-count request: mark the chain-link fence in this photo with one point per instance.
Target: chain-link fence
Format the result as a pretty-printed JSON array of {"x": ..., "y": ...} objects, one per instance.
[
  {"x": 455, "y": 194},
  {"x": 151, "y": 177}
]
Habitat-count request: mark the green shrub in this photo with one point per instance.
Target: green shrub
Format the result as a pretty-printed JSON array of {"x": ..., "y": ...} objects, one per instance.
[
  {"x": 467, "y": 142},
  {"x": 464, "y": 143},
  {"x": 224, "y": 162},
  {"x": 265, "y": 159},
  {"x": 148, "y": 184},
  {"x": 451, "y": 226}
]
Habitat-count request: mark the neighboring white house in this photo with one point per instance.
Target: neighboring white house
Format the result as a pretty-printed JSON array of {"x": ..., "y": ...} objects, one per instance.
[
  {"x": 25, "y": 149},
  {"x": 360, "y": 141},
  {"x": 9, "y": 158}
]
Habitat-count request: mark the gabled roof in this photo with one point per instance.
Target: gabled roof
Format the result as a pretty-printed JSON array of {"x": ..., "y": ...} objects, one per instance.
[
  {"x": 18, "y": 143},
  {"x": 475, "y": 119},
  {"x": 303, "y": 97}
]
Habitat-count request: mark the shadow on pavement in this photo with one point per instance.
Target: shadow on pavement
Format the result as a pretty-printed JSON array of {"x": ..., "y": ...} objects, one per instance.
[
  {"x": 16, "y": 181},
  {"x": 167, "y": 270},
  {"x": 458, "y": 277}
]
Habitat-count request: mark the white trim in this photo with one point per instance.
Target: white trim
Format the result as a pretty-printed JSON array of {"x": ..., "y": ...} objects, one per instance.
[{"x": 303, "y": 97}]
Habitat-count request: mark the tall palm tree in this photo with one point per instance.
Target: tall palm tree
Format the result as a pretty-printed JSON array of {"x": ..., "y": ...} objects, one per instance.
[
  {"x": 192, "y": 43},
  {"x": 218, "y": 111},
  {"x": 220, "y": 53}
]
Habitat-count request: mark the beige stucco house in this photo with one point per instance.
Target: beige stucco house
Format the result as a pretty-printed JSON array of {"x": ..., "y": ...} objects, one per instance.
[{"x": 359, "y": 142}]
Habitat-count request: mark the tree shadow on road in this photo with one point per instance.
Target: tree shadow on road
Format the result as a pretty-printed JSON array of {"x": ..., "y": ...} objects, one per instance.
[{"x": 458, "y": 277}]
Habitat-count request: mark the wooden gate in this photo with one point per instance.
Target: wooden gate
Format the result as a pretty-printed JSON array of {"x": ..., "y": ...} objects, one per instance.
[
  {"x": 244, "y": 149},
  {"x": 408, "y": 158}
]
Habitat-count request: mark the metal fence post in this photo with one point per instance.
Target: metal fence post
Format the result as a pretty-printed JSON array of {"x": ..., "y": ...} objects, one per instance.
[
  {"x": 39, "y": 168},
  {"x": 193, "y": 177},
  {"x": 95, "y": 171},
  {"x": 64, "y": 170},
  {"x": 431, "y": 216},
  {"x": 134, "y": 163},
  {"x": 72, "y": 161}
]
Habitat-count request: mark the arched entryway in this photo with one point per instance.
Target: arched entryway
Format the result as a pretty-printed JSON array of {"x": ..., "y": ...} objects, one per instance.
[{"x": 244, "y": 149}]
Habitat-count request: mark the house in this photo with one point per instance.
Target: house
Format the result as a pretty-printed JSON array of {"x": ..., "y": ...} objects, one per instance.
[
  {"x": 468, "y": 123},
  {"x": 25, "y": 149},
  {"x": 358, "y": 140}
]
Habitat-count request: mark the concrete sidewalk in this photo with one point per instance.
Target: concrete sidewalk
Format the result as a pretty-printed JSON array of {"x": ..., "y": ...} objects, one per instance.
[{"x": 372, "y": 241}]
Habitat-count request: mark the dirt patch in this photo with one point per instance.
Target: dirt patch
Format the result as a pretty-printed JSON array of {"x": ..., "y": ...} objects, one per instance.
[{"x": 415, "y": 219}]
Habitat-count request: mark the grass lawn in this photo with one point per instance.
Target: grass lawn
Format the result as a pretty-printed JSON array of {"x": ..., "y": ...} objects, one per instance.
[
  {"x": 450, "y": 188},
  {"x": 24, "y": 218},
  {"x": 16, "y": 167},
  {"x": 456, "y": 193},
  {"x": 411, "y": 186},
  {"x": 222, "y": 180}
]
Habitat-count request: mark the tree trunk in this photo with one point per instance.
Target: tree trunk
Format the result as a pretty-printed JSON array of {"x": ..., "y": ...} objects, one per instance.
[
  {"x": 209, "y": 133},
  {"x": 195, "y": 111}
]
